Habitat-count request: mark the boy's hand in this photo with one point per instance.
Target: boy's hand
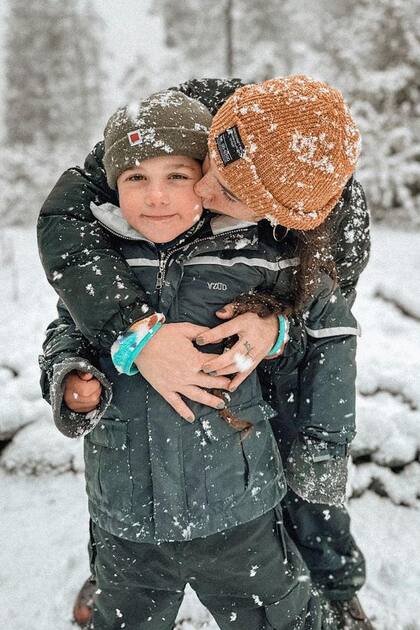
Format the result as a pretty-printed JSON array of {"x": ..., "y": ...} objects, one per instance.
[
  {"x": 82, "y": 391},
  {"x": 173, "y": 367},
  {"x": 257, "y": 336}
]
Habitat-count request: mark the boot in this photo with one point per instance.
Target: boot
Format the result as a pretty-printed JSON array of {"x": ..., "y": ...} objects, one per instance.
[
  {"x": 345, "y": 615},
  {"x": 83, "y": 605}
]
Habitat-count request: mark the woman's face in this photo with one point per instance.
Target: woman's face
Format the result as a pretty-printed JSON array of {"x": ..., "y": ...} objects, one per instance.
[{"x": 216, "y": 196}]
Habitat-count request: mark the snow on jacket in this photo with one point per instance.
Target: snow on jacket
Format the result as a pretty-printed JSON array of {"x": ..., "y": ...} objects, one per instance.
[{"x": 151, "y": 475}]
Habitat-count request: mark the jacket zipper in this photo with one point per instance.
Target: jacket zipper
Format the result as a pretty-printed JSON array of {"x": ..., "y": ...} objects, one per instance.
[{"x": 163, "y": 258}]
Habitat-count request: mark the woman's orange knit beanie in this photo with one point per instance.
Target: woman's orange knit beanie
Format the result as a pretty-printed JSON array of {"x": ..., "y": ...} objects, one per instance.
[{"x": 286, "y": 148}]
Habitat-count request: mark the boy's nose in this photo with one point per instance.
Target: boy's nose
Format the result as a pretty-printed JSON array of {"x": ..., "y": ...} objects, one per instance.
[{"x": 156, "y": 197}]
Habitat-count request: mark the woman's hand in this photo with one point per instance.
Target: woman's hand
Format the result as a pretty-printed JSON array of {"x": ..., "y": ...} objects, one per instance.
[
  {"x": 82, "y": 392},
  {"x": 173, "y": 367},
  {"x": 257, "y": 336}
]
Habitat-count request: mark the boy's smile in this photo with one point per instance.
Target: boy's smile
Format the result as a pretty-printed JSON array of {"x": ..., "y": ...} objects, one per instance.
[{"x": 157, "y": 196}]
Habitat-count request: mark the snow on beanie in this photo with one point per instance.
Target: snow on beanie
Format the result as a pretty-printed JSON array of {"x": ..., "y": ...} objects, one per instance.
[
  {"x": 166, "y": 123},
  {"x": 286, "y": 148}
]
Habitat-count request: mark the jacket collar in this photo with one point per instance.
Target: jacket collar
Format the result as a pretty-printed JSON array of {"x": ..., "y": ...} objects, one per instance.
[{"x": 110, "y": 216}]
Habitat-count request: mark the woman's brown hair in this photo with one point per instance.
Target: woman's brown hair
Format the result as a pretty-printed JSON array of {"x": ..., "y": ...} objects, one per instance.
[{"x": 315, "y": 251}]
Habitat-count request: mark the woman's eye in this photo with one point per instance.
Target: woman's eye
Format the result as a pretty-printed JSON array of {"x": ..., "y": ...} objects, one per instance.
[{"x": 228, "y": 197}]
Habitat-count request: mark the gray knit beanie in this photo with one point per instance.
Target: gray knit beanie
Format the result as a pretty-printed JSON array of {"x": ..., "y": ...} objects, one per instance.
[{"x": 166, "y": 123}]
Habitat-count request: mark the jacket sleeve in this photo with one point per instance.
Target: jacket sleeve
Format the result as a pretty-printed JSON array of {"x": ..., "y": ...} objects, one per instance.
[
  {"x": 65, "y": 350},
  {"x": 317, "y": 466},
  {"x": 350, "y": 227},
  {"x": 80, "y": 262},
  {"x": 210, "y": 92}
]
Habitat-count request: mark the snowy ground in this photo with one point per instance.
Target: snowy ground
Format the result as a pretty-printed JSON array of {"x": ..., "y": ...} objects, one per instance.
[{"x": 44, "y": 518}]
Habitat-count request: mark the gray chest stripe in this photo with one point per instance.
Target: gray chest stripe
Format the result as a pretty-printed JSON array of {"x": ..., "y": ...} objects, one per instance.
[
  {"x": 336, "y": 331},
  {"x": 241, "y": 260},
  {"x": 142, "y": 262}
]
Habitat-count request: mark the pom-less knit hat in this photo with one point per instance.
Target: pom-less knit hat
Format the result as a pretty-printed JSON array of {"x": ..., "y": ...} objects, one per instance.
[
  {"x": 166, "y": 123},
  {"x": 286, "y": 148}
]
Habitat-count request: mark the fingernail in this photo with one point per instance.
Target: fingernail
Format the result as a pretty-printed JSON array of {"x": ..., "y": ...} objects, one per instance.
[
  {"x": 221, "y": 405},
  {"x": 207, "y": 369},
  {"x": 222, "y": 310},
  {"x": 232, "y": 389},
  {"x": 189, "y": 419},
  {"x": 200, "y": 341},
  {"x": 213, "y": 373}
]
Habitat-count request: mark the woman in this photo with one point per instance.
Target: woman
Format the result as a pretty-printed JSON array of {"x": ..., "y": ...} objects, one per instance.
[{"x": 171, "y": 363}]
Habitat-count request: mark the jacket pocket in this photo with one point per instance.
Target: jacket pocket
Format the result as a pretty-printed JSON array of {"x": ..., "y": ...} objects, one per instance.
[
  {"x": 108, "y": 476},
  {"x": 236, "y": 462}
]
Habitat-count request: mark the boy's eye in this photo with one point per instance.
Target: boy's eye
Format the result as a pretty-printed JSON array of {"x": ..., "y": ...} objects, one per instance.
[
  {"x": 135, "y": 178},
  {"x": 178, "y": 176}
]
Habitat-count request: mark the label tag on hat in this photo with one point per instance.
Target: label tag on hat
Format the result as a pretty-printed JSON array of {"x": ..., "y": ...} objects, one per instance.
[
  {"x": 134, "y": 137},
  {"x": 230, "y": 145}
]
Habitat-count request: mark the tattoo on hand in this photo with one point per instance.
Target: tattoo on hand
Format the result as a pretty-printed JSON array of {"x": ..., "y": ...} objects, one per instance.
[{"x": 248, "y": 348}]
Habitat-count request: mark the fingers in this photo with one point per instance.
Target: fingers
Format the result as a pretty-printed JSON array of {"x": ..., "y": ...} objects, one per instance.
[
  {"x": 210, "y": 382},
  {"x": 239, "y": 355},
  {"x": 81, "y": 404},
  {"x": 82, "y": 395},
  {"x": 238, "y": 379},
  {"x": 191, "y": 331},
  {"x": 86, "y": 389},
  {"x": 176, "y": 402},
  {"x": 203, "y": 397},
  {"x": 227, "y": 312},
  {"x": 230, "y": 369},
  {"x": 85, "y": 376},
  {"x": 216, "y": 334},
  {"x": 82, "y": 407}
]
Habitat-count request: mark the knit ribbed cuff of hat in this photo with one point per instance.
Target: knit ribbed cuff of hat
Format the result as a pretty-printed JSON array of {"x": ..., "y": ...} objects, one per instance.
[{"x": 162, "y": 142}]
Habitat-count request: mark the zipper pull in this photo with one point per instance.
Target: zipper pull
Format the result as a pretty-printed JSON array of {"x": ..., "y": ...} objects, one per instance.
[{"x": 161, "y": 272}]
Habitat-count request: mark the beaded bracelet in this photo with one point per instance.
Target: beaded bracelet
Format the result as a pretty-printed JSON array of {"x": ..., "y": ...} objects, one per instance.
[
  {"x": 282, "y": 336},
  {"x": 128, "y": 345}
]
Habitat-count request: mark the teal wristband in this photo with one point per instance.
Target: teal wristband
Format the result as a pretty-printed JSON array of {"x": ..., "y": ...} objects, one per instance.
[
  {"x": 127, "y": 347},
  {"x": 281, "y": 337}
]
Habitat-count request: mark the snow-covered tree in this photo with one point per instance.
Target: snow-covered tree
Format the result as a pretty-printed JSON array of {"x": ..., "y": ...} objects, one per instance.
[
  {"x": 242, "y": 38},
  {"x": 374, "y": 54},
  {"x": 53, "y": 98},
  {"x": 52, "y": 71}
]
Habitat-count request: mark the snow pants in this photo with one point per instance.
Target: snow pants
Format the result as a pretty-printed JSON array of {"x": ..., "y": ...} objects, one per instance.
[
  {"x": 321, "y": 532},
  {"x": 250, "y": 577}
]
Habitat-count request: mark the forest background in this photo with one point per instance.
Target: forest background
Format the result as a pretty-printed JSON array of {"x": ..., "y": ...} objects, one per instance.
[{"x": 67, "y": 65}]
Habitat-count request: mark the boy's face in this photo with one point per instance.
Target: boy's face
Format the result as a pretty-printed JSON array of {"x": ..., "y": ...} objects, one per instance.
[
  {"x": 157, "y": 197},
  {"x": 215, "y": 194}
]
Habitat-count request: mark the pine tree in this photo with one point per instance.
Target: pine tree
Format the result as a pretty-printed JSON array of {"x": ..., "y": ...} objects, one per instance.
[
  {"x": 375, "y": 55},
  {"x": 53, "y": 98},
  {"x": 52, "y": 71},
  {"x": 226, "y": 38}
]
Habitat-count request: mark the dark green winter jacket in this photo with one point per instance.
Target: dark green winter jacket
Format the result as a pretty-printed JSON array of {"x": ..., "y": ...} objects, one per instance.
[{"x": 151, "y": 475}]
